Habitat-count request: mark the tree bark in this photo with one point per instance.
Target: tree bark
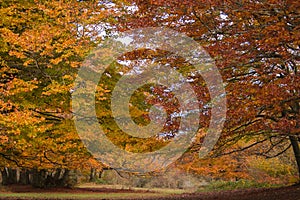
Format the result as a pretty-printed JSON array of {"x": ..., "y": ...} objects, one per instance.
[
  {"x": 57, "y": 174},
  {"x": 100, "y": 173},
  {"x": 64, "y": 179},
  {"x": 92, "y": 174},
  {"x": 38, "y": 178},
  {"x": 12, "y": 176},
  {"x": 4, "y": 176},
  {"x": 296, "y": 149},
  {"x": 24, "y": 177}
]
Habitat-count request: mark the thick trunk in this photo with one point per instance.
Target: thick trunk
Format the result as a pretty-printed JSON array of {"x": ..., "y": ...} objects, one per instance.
[
  {"x": 53, "y": 178},
  {"x": 39, "y": 178},
  {"x": 59, "y": 178},
  {"x": 12, "y": 176},
  {"x": 65, "y": 175},
  {"x": 4, "y": 176},
  {"x": 24, "y": 177},
  {"x": 64, "y": 179},
  {"x": 296, "y": 149}
]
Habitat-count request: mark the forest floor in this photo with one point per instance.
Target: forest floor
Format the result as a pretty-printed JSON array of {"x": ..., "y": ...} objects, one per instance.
[{"x": 26, "y": 192}]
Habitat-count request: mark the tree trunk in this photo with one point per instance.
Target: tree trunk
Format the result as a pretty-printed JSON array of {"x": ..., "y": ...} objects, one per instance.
[
  {"x": 57, "y": 174},
  {"x": 100, "y": 173},
  {"x": 24, "y": 177},
  {"x": 38, "y": 178},
  {"x": 4, "y": 176},
  {"x": 12, "y": 176},
  {"x": 92, "y": 175},
  {"x": 296, "y": 149},
  {"x": 64, "y": 178}
]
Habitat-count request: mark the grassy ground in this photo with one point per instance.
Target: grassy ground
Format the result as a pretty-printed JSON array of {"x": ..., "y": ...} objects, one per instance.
[
  {"x": 233, "y": 185},
  {"x": 90, "y": 191},
  {"x": 79, "y": 196},
  {"x": 154, "y": 190},
  {"x": 216, "y": 190}
]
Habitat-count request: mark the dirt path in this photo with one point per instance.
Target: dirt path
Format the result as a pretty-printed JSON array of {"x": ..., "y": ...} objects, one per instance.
[{"x": 283, "y": 193}]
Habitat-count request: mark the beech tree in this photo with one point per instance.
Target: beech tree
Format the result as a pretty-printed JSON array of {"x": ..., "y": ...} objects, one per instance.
[
  {"x": 256, "y": 47},
  {"x": 42, "y": 46}
]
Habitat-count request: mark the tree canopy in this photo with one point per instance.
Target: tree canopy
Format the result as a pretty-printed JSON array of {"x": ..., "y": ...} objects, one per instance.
[{"x": 255, "y": 46}]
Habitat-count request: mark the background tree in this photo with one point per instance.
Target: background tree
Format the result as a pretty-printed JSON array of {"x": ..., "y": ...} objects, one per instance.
[{"x": 256, "y": 48}]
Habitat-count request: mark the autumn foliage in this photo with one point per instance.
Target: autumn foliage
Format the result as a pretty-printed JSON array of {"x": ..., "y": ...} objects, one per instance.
[
  {"x": 255, "y": 45},
  {"x": 256, "y": 48}
]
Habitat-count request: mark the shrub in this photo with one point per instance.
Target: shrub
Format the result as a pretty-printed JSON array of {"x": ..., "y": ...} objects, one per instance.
[{"x": 231, "y": 185}]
